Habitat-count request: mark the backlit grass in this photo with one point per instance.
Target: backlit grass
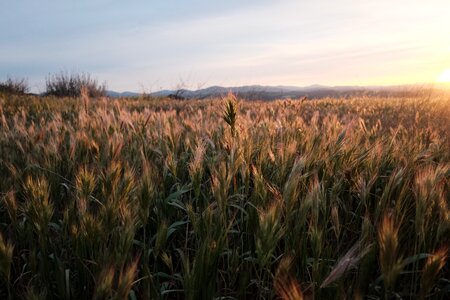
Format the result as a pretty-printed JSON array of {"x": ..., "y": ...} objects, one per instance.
[{"x": 164, "y": 199}]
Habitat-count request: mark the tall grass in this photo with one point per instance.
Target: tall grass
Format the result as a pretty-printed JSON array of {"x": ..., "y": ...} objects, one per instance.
[{"x": 144, "y": 199}]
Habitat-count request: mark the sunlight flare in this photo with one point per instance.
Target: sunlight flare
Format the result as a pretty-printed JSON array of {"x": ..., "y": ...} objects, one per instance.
[{"x": 445, "y": 77}]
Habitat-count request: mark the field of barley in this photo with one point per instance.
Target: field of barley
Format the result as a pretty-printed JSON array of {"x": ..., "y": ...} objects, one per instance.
[{"x": 225, "y": 198}]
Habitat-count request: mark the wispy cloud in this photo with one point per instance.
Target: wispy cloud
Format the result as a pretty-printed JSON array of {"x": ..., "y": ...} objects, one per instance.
[{"x": 228, "y": 42}]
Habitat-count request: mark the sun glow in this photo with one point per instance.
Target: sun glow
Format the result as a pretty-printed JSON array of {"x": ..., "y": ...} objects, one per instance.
[{"x": 445, "y": 77}]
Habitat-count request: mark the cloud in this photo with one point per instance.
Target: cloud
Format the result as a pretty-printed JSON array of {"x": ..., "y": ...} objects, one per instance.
[{"x": 226, "y": 42}]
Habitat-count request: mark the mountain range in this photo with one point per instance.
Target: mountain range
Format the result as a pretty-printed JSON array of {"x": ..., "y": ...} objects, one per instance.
[{"x": 277, "y": 92}]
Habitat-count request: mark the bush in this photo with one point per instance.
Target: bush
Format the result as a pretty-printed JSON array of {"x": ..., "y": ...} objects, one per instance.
[
  {"x": 65, "y": 85},
  {"x": 14, "y": 86}
]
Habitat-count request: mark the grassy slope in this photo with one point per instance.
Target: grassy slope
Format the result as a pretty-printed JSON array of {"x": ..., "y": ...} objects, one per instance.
[{"x": 162, "y": 199}]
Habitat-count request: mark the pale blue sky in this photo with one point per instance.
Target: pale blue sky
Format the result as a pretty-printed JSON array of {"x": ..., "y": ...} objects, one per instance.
[{"x": 136, "y": 45}]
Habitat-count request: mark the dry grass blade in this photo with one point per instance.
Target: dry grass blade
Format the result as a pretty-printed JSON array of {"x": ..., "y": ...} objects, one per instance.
[
  {"x": 389, "y": 247},
  {"x": 6, "y": 256},
  {"x": 286, "y": 286},
  {"x": 104, "y": 283},
  {"x": 349, "y": 261},
  {"x": 432, "y": 267}
]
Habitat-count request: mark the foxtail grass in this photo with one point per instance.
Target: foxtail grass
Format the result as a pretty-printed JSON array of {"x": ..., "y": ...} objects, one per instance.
[{"x": 232, "y": 199}]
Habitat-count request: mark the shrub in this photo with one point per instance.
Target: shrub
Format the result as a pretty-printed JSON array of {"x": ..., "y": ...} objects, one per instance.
[
  {"x": 65, "y": 85},
  {"x": 14, "y": 86}
]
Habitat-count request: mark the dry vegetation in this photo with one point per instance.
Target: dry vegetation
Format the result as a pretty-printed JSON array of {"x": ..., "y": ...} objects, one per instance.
[{"x": 163, "y": 199}]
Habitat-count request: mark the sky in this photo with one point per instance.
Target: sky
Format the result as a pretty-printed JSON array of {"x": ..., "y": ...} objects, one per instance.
[{"x": 146, "y": 46}]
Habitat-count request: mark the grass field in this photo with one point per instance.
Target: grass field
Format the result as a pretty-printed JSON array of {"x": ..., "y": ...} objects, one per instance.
[{"x": 226, "y": 199}]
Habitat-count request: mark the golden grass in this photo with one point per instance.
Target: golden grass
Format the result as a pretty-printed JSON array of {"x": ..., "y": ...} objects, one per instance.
[{"x": 163, "y": 199}]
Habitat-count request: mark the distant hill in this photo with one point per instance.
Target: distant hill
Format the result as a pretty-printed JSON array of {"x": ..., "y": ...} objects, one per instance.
[
  {"x": 113, "y": 94},
  {"x": 279, "y": 92}
]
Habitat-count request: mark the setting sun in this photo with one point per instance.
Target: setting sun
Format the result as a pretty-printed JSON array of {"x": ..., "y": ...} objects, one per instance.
[{"x": 445, "y": 76}]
